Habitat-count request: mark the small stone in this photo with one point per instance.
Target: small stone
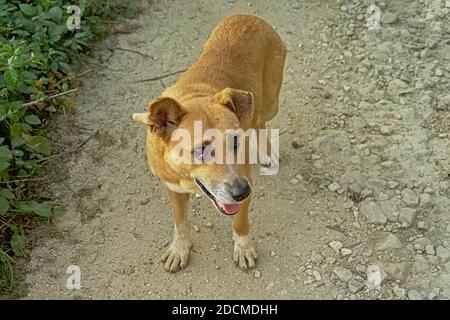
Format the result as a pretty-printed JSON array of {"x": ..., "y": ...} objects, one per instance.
[
  {"x": 336, "y": 245},
  {"x": 272, "y": 253},
  {"x": 389, "y": 18},
  {"x": 366, "y": 193},
  {"x": 444, "y": 103},
  {"x": 343, "y": 274},
  {"x": 330, "y": 260},
  {"x": 434, "y": 294},
  {"x": 373, "y": 212},
  {"x": 196, "y": 228},
  {"x": 443, "y": 253},
  {"x": 407, "y": 216},
  {"x": 257, "y": 274},
  {"x": 386, "y": 130},
  {"x": 346, "y": 252},
  {"x": 208, "y": 225},
  {"x": 294, "y": 181},
  {"x": 410, "y": 198},
  {"x": 421, "y": 243},
  {"x": 428, "y": 190},
  {"x": 389, "y": 242},
  {"x": 392, "y": 184},
  {"x": 333, "y": 187},
  {"x": 414, "y": 295},
  {"x": 144, "y": 201},
  {"x": 316, "y": 258},
  {"x": 355, "y": 286},
  {"x": 422, "y": 225},
  {"x": 424, "y": 199},
  {"x": 398, "y": 87},
  {"x": 317, "y": 275},
  {"x": 429, "y": 249}
]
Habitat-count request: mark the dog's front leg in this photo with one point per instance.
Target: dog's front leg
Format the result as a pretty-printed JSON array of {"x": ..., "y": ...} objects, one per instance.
[
  {"x": 244, "y": 254},
  {"x": 176, "y": 257}
]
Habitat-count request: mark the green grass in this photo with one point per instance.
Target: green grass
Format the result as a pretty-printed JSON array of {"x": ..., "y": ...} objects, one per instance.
[{"x": 39, "y": 58}]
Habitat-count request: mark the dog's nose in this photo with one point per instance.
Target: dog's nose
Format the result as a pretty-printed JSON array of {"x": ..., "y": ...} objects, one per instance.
[{"x": 240, "y": 191}]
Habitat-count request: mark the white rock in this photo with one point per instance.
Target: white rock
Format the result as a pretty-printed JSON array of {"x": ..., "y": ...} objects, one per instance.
[
  {"x": 376, "y": 276},
  {"x": 317, "y": 275},
  {"x": 422, "y": 225},
  {"x": 336, "y": 245},
  {"x": 346, "y": 251},
  {"x": 333, "y": 187}
]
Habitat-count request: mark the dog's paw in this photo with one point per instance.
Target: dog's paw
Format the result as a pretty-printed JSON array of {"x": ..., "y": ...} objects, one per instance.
[
  {"x": 176, "y": 257},
  {"x": 244, "y": 254}
]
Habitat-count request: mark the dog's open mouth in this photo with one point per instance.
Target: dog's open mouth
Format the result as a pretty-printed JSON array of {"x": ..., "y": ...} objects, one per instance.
[{"x": 225, "y": 208}]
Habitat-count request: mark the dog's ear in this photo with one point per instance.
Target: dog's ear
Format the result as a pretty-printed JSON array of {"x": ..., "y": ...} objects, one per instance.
[
  {"x": 238, "y": 101},
  {"x": 164, "y": 115}
]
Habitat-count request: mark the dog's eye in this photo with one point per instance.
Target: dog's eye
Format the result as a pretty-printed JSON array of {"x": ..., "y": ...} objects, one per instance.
[
  {"x": 204, "y": 152},
  {"x": 198, "y": 153}
]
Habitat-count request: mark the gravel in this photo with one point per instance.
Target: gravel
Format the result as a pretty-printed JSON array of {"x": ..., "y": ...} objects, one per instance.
[{"x": 343, "y": 274}]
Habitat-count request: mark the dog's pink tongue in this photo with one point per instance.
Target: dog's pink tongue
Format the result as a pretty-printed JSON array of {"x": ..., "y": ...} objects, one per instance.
[{"x": 230, "y": 208}]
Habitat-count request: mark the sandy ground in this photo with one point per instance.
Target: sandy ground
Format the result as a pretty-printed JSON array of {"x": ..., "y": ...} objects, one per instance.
[{"x": 363, "y": 183}]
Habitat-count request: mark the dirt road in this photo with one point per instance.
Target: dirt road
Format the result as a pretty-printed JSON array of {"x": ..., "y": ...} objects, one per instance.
[{"x": 360, "y": 207}]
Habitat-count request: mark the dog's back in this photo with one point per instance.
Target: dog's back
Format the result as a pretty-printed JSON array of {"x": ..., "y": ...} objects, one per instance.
[{"x": 257, "y": 55}]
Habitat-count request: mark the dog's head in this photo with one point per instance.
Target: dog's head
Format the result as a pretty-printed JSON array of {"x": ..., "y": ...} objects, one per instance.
[{"x": 203, "y": 141}]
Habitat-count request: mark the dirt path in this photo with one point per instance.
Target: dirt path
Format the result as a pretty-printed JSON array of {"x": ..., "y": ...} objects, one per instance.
[{"x": 364, "y": 177}]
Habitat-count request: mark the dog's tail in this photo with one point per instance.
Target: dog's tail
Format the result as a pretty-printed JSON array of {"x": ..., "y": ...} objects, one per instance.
[{"x": 140, "y": 117}]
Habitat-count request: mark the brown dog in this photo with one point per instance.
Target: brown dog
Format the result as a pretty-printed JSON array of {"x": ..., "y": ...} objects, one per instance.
[{"x": 234, "y": 84}]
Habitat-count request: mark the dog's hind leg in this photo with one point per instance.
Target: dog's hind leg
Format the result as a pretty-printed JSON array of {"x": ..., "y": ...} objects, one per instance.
[{"x": 176, "y": 257}]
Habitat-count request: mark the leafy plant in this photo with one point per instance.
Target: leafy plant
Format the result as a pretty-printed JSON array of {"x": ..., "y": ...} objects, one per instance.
[{"x": 38, "y": 57}]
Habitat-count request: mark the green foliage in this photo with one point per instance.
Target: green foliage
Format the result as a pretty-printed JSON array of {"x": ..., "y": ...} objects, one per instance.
[{"x": 39, "y": 56}]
